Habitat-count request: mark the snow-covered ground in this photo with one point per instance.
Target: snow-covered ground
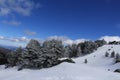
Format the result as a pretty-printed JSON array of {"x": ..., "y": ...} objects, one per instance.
[{"x": 96, "y": 69}]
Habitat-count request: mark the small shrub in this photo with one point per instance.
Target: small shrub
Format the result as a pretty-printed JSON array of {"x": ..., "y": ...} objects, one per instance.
[
  {"x": 109, "y": 49},
  {"x": 108, "y": 69},
  {"x": 94, "y": 56},
  {"x": 106, "y": 54},
  {"x": 85, "y": 61}
]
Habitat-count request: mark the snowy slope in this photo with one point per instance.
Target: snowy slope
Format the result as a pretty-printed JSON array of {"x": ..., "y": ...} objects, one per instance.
[
  {"x": 96, "y": 69},
  {"x": 110, "y": 38},
  {"x": 98, "y": 59}
]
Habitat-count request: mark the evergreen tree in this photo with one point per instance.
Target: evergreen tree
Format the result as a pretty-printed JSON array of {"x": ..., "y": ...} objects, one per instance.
[
  {"x": 85, "y": 61},
  {"x": 13, "y": 57},
  {"x": 106, "y": 54},
  {"x": 3, "y": 55},
  {"x": 88, "y": 47},
  {"x": 55, "y": 46},
  {"x": 100, "y": 42},
  {"x": 31, "y": 56},
  {"x": 72, "y": 51},
  {"x": 117, "y": 58},
  {"x": 113, "y": 54},
  {"x": 36, "y": 57}
]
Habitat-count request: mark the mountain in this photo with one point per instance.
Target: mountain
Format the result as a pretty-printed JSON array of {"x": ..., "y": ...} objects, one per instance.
[
  {"x": 98, "y": 67},
  {"x": 4, "y": 50},
  {"x": 8, "y": 47}
]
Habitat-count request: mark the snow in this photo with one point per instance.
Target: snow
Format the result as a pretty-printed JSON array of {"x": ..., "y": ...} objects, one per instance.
[
  {"x": 96, "y": 69},
  {"x": 110, "y": 38}
]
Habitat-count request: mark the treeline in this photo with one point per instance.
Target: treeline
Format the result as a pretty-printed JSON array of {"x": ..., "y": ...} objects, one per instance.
[
  {"x": 114, "y": 43},
  {"x": 47, "y": 54},
  {"x": 3, "y": 53}
]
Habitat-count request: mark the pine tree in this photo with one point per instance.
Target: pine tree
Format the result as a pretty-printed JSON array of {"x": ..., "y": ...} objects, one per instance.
[
  {"x": 113, "y": 54},
  {"x": 85, "y": 61},
  {"x": 117, "y": 58},
  {"x": 12, "y": 57},
  {"x": 106, "y": 54},
  {"x": 35, "y": 56},
  {"x": 74, "y": 51}
]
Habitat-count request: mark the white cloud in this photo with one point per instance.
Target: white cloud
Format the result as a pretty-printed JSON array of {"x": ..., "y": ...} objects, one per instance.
[
  {"x": 24, "y": 39},
  {"x": 30, "y": 33},
  {"x": 20, "y": 39},
  {"x": 13, "y": 22},
  {"x": 22, "y": 7},
  {"x": 66, "y": 40},
  {"x": 1, "y": 37},
  {"x": 110, "y": 38},
  {"x": 9, "y": 41},
  {"x": 80, "y": 41},
  {"x": 62, "y": 38},
  {"x": 4, "y": 11},
  {"x": 77, "y": 41}
]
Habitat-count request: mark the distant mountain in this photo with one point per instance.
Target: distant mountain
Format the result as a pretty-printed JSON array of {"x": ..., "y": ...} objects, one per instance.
[
  {"x": 8, "y": 47},
  {"x": 4, "y": 50}
]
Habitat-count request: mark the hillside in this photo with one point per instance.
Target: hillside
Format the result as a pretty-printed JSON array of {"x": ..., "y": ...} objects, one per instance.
[{"x": 96, "y": 69}]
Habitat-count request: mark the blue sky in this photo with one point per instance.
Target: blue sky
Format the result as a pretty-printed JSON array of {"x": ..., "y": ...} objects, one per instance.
[{"x": 75, "y": 19}]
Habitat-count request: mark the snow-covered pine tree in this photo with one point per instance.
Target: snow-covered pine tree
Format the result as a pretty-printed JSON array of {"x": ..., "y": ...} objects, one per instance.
[
  {"x": 113, "y": 54},
  {"x": 12, "y": 57},
  {"x": 31, "y": 56},
  {"x": 100, "y": 42},
  {"x": 55, "y": 46},
  {"x": 88, "y": 47},
  {"x": 106, "y": 54},
  {"x": 73, "y": 50},
  {"x": 36, "y": 57},
  {"x": 117, "y": 58}
]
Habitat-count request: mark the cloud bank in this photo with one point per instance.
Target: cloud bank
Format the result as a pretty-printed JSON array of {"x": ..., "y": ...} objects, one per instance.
[
  {"x": 67, "y": 41},
  {"x": 22, "y": 7},
  {"x": 12, "y": 8},
  {"x": 21, "y": 39},
  {"x": 10, "y": 41},
  {"x": 30, "y": 33},
  {"x": 13, "y": 22}
]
